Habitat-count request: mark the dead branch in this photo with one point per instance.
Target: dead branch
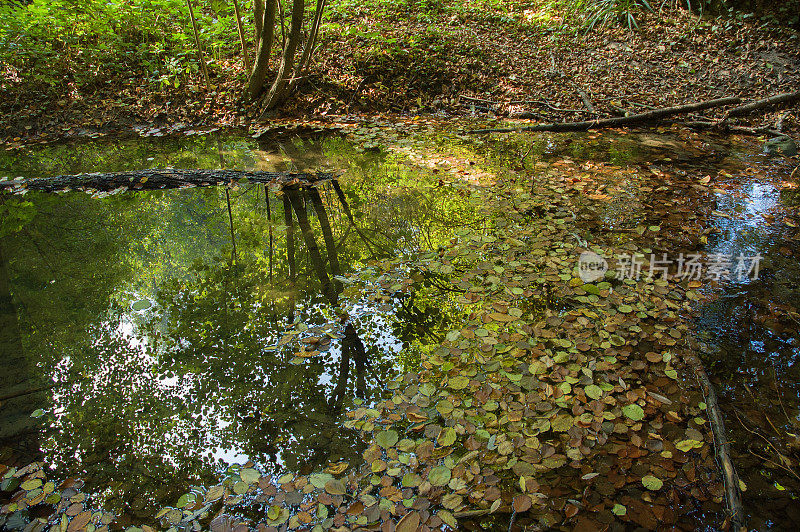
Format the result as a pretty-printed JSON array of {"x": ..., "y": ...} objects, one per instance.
[
  {"x": 733, "y": 494},
  {"x": 158, "y": 179},
  {"x": 548, "y": 105},
  {"x": 786, "y": 97},
  {"x": 653, "y": 115}
]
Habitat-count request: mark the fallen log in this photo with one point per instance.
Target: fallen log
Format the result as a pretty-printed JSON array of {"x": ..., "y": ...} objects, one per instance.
[
  {"x": 154, "y": 179},
  {"x": 655, "y": 114},
  {"x": 786, "y": 97}
]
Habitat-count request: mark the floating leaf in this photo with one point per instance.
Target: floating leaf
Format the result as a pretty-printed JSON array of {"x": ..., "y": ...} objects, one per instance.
[
  {"x": 409, "y": 523},
  {"x": 521, "y": 503},
  {"x": 387, "y": 438},
  {"x": 411, "y": 480},
  {"x": 459, "y": 382},
  {"x": 439, "y": 476},
  {"x": 335, "y": 487},
  {"x": 249, "y": 475},
  {"x": 562, "y": 423},
  {"x": 447, "y": 437},
  {"x": 633, "y": 412},
  {"x": 31, "y": 484},
  {"x": 652, "y": 483},
  {"x": 593, "y": 391}
]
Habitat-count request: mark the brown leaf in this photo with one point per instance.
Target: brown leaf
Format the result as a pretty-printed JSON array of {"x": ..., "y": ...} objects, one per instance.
[
  {"x": 79, "y": 522},
  {"x": 409, "y": 523},
  {"x": 521, "y": 503}
]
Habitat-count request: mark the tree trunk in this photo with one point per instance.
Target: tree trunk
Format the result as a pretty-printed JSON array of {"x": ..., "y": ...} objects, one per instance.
[
  {"x": 258, "y": 18},
  {"x": 279, "y": 87},
  {"x": 200, "y": 59},
  {"x": 239, "y": 26},
  {"x": 265, "y": 32},
  {"x": 302, "y": 65},
  {"x": 787, "y": 97}
]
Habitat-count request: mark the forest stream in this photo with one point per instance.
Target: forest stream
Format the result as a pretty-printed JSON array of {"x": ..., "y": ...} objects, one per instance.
[{"x": 412, "y": 341}]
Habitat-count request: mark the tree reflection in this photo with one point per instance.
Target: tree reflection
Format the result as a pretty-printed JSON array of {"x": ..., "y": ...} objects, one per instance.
[{"x": 174, "y": 351}]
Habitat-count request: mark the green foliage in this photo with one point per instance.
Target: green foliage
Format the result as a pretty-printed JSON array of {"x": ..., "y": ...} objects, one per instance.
[
  {"x": 599, "y": 13},
  {"x": 86, "y": 43}
]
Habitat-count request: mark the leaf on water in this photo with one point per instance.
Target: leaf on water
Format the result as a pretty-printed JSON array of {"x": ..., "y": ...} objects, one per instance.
[
  {"x": 215, "y": 492},
  {"x": 459, "y": 382},
  {"x": 447, "y": 437},
  {"x": 249, "y": 475},
  {"x": 411, "y": 480},
  {"x": 387, "y": 438},
  {"x": 142, "y": 304},
  {"x": 444, "y": 407},
  {"x": 337, "y": 469},
  {"x": 562, "y": 423},
  {"x": 439, "y": 476},
  {"x": 687, "y": 445},
  {"x": 274, "y": 512},
  {"x": 625, "y": 309},
  {"x": 452, "y": 501},
  {"x": 448, "y": 518},
  {"x": 186, "y": 498},
  {"x": 335, "y": 487},
  {"x": 633, "y": 412},
  {"x": 319, "y": 480},
  {"x": 31, "y": 484},
  {"x": 593, "y": 391},
  {"x": 652, "y": 483},
  {"x": 521, "y": 503},
  {"x": 409, "y": 523}
]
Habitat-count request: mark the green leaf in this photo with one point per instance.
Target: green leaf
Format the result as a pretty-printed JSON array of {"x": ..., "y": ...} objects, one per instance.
[
  {"x": 447, "y": 437},
  {"x": 618, "y": 509},
  {"x": 593, "y": 391},
  {"x": 439, "y": 476},
  {"x": 652, "y": 483},
  {"x": 459, "y": 382},
  {"x": 633, "y": 411},
  {"x": 387, "y": 438},
  {"x": 249, "y": 475}
]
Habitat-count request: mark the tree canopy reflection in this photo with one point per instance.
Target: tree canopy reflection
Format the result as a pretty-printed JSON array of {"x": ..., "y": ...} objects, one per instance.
[{"x": 172, "y": 346}]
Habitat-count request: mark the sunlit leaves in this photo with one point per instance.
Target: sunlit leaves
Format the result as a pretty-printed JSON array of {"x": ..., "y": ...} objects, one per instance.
[
  {"x": 652, "y": 483},
  {"x": 633, "y": 412}
]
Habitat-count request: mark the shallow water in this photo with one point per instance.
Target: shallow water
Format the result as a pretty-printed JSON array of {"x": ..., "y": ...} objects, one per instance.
[
  {"x": 172, "y": 325},
  {"x": 165, "y": 319}
]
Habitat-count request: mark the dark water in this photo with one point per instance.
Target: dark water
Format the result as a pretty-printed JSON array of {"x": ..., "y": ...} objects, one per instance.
[{"x": 162, "y": 318}]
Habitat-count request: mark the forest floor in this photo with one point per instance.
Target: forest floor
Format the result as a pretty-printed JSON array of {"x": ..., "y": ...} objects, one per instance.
[{"x": 470, "y": 63}]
